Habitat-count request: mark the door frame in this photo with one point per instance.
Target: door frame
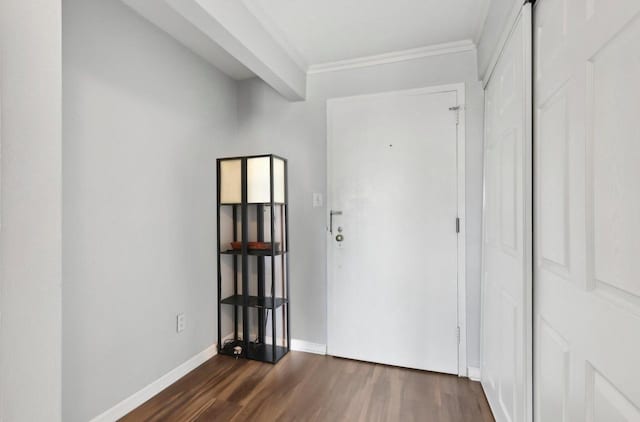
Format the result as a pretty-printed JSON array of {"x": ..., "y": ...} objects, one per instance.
[{"x": 459, "y": 89}]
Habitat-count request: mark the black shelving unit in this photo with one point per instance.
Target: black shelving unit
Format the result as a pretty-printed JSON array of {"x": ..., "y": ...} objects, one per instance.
[{"x": 257, "y": 211}]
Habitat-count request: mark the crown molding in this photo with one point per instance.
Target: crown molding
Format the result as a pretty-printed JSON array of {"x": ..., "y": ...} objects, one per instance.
[{"x": 393, "y": 57}]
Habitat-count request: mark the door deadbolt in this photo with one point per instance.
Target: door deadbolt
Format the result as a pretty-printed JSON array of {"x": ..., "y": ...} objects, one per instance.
[{"x": 339, "y": 238}]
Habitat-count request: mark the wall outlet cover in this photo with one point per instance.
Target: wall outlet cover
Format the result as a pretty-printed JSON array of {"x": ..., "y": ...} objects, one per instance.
[{"x": 180, "y": 322}]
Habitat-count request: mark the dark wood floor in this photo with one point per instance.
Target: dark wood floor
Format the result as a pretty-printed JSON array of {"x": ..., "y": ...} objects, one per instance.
[{"x": 306, "y": 387}]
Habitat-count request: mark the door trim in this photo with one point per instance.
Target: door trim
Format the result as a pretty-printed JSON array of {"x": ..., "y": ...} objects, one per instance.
[
  {"x": 512, "y": 21},
  {"x": 459, "y": 89}
]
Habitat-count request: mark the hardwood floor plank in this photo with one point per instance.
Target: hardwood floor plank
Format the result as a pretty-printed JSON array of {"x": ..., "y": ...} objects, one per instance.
[{"x": 306, "y": 387}]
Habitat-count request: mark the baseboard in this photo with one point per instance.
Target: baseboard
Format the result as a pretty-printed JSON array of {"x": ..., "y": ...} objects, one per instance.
[
  {"x": 138, "y": 398},
  {"x": 301, "y": 346},
  {"x": 307, "y": 346},
  {"x": 473, "y": 373}
]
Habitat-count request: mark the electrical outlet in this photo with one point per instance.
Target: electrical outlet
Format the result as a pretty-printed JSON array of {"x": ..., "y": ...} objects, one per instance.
[{"x": 180, "y": 322}]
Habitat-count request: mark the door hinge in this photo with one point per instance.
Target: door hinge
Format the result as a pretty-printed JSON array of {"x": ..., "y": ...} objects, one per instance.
[
  {"x": 457, "y": 110},
  {"x": 458, "y": 334},
  {"x": 457, "y": 224}
]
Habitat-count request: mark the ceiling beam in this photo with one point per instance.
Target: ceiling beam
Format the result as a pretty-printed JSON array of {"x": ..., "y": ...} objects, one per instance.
[{"x": 230, "y": 26}]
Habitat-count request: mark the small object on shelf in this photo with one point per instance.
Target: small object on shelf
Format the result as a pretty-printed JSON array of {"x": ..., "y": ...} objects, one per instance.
[
  {"x": 255, "y": 246},
  {"x": 237, "y": 351}
]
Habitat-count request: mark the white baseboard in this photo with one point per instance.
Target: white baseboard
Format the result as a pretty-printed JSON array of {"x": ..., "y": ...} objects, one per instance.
[
  {"x": 473, "y": 373},
  {"x": 138, "y": 398},
  {"x": 307, "y": 346},
  {"x": 301, "y": 346}
]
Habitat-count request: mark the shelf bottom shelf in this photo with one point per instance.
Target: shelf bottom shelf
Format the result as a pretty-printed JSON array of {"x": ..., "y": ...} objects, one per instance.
[{"x": 257, "y": 351}]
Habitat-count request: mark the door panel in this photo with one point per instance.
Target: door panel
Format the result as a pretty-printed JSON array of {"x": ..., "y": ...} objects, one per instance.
[
  {"x": 587, "y": 287},
  {"x": 506, "y": 310},
  {"x": 393, "y": 278}
]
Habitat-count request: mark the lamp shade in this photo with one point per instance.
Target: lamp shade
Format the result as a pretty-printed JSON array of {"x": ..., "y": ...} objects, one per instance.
[
  {"x": 230, "y": 181},
  {"x": 258, "y": 180}
]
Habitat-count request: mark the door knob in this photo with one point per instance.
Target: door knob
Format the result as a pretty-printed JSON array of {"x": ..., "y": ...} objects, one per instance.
[{"x": 339, "y": 238}]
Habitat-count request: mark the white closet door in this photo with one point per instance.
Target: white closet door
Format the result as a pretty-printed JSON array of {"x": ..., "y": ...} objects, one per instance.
[
  {"x": 587, "y": 228},
  {"x": 507, "y": 234}
]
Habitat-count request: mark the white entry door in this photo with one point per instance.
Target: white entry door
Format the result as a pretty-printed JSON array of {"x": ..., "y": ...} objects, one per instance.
[
  {"x": 393, "y": 248},
  {"x": 507, "y": 235},
  {"x": 587, "y": 227}
]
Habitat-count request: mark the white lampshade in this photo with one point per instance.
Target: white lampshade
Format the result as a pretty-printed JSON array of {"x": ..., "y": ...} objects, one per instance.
[
  {"x": 258, "y": 180},
  {"x": 230, "y": 181}
]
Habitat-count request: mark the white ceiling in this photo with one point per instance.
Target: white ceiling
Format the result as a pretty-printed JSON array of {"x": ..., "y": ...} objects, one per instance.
[{"x": 324, "y": 31}]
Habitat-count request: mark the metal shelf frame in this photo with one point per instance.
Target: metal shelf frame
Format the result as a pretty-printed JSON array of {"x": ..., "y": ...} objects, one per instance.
[{"x": 262, "y": 303}]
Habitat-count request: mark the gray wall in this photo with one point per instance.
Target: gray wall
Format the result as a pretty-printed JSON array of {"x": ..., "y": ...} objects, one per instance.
[
  {"x": 499, "y": 16},
  {"x": 268, "y": 123},
  {"x": 144, "y": 121},
  {"x": 30, "y": 234}
]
